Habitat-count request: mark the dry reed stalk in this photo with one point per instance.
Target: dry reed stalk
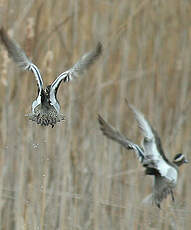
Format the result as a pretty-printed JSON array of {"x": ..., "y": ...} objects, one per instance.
[
  {"x": 29, "y": 39},
  {"x": 47, "y": 66},
  {"x": 4, "y": 67},
  {"x": 143, "y": 41}
]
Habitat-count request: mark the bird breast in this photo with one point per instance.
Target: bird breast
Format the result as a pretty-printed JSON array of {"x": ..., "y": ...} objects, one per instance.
[{"x": 172, "y": 174}]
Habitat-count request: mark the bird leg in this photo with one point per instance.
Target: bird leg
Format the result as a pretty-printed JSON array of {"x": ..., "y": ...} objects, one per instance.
[{"x": 172, "y": 195}]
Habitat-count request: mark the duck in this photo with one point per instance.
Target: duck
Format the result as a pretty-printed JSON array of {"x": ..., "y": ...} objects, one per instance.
[
  {"x": 151, "y": 155},
  {"x": 46, "y": 107}
]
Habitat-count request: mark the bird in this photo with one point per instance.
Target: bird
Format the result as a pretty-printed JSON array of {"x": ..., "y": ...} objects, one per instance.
[
  {"x": 151, "y": 156},
  {"x": 46, "y": 107}
]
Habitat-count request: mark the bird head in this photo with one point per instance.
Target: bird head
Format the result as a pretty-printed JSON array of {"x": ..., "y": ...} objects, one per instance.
[{"x": 180, "y": 159}]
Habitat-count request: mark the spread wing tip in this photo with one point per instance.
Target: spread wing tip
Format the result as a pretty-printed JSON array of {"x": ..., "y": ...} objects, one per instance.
[
  {"x": 83, "y": 64},
  {"x": 143, "y": 123},
  {"x": 109, "y": 131},
  {"x": 18, "y": 55},
  {"x": 3, "y": 36},
  {"x": 103, "y": 125},
  {"x": 100, "y": 119},
  {"x": 130, "y": 106},
  {"x": 115, "y": 135}
]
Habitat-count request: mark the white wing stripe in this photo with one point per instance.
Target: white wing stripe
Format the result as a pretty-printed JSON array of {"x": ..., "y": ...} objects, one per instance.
[
  {"x": 138, "y": 151},
  {"x": 56, "y": 82},
  {"x": 38, "y": 77}
]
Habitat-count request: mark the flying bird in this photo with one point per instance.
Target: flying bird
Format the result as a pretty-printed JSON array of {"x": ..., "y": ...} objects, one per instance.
[
  {"x": 46, "y": 107},
  {"x": 150, "y": 155}
]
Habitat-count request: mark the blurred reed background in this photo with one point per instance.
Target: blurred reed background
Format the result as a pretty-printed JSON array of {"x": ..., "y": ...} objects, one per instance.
[{"x": 71, "y": 176}]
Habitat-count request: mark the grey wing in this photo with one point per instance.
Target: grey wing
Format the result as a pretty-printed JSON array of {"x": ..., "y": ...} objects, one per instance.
[
  {"x": 143, "y": 123},
  {"x": 83, "y": 64},
  {"x": 152, "y": 145},
  {"x": 19, "y": 56},
  {"x": 152, "y": 140},
  {"x": 115, "y": 135}
]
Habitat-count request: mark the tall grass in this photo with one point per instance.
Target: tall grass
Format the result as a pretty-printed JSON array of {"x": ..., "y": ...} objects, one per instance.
[{"x": 72, "y": 177}]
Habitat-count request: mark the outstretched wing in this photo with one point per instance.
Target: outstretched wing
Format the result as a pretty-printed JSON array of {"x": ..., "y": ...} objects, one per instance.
[
  {"x": 153, "y": 148},
  {"x": 151, "y": 139},
  {"x": 83, "y": 64},
  {"x": 19, "y": 56},
  {"x": 115, "y": 135}
]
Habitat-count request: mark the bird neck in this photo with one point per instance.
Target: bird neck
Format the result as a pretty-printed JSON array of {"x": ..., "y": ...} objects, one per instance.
[
  {"x": 45, "y": 97},
  {"x": 178, "y": 164}
]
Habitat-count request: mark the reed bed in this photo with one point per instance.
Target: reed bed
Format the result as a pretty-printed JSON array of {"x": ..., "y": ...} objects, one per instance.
[{"x": 71, "y": 176}]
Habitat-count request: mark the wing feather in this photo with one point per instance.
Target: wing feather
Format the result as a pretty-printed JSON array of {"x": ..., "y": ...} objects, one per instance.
[
  {"x": 154, "y": 154},
  {"x": 83, "y": 64},
  {"x": 19, "y": 56},
  {"x": 115, "y": 135},
  {"x": 162, "y": 188},
  {"x": 143, "y": 123}
]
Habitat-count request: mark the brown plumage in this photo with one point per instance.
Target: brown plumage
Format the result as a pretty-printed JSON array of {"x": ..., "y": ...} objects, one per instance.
[{"x": 46, "y": 108}]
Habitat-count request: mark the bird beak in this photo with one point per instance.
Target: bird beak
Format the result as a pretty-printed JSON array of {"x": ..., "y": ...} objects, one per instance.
[{"x": 186, "y": 161}]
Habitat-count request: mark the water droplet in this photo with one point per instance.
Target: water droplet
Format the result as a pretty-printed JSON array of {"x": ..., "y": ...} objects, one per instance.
[{"x": 35, "y": 146}]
